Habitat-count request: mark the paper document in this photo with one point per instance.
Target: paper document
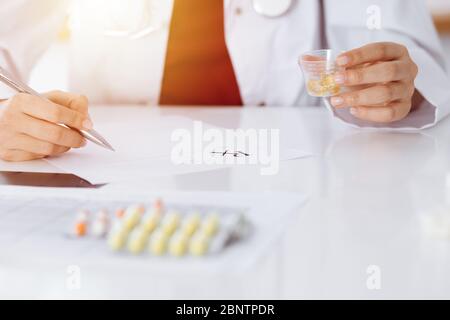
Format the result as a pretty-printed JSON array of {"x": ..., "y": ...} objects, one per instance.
[{"x": 143, "y": 150}]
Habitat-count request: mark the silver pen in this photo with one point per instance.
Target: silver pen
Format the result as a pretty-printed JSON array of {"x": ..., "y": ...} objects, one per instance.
[{"x": 18, "y": 86}]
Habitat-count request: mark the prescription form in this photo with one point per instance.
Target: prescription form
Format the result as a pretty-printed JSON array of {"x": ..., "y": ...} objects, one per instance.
[{"x": 34, "y": 225}]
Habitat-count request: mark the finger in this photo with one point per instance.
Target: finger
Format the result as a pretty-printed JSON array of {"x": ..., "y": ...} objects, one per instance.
[
  {"x": 379, "y": 95},
  {"x": 47, "y": 131},
  {"x": 23, "y": 142},
  {"x": 51, "y": 112},
  {"x": 59, "y": 150},
  {"x": 374, "y": 52},
  {"x": 73, "y": 101},
  {"x": 392, "y": 113},
  {"x": 18, "y": 155},
  {"x": 376, "y": 73}
]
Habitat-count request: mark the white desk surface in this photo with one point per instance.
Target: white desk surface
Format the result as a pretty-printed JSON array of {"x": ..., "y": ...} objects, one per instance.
[{"x": 368, "y": 191}]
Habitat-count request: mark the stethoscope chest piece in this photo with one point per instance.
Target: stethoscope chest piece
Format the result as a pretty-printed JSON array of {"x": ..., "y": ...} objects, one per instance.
[{"x": 272, "y": 8}]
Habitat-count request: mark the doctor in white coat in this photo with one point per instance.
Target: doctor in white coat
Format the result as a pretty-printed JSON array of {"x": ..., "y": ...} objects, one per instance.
[{"x": 119, "y": 49}]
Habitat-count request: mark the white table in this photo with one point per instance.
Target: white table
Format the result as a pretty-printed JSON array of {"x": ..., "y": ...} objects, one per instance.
[{"x": 368, "y": 192}]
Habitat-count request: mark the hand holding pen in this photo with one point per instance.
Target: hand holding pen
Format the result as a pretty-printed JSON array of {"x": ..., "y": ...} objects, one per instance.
[
  {"x": 34, "y": 126},
  {"x": 30, "y": 127}
]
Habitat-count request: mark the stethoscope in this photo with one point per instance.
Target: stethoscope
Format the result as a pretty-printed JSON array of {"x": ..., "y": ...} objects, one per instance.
[
  {"x": 272, "y": 8},
  {"x": 265, "y": 8}
]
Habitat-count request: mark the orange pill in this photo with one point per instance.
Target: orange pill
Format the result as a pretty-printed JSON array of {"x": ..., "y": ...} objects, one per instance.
[
  {"x": 120, "y": 213},
  {"x": 158, "y": 205},
  {"x": 81, "y": 229}
]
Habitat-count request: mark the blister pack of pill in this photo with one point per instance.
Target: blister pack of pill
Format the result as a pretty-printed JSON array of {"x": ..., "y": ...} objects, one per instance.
[{"x": 163, "y": 229}]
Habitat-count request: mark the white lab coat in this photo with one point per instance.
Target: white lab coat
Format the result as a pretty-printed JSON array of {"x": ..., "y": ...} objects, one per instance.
[{"x": 264, "y": 51}]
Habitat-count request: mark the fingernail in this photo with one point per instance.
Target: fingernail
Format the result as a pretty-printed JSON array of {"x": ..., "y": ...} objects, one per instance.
[
  {"x": 354, "y": 111},
  {"x": 339, "y": 78},
  {"x": 84, "y": 143},
  {"x": 337, "y": 101},
  {"x": 342, "y": 61},
  {"x": 87, "y": 124}
]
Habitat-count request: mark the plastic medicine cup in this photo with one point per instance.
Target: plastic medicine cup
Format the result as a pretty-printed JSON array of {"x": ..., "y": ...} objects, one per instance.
[{"x": 319, "y": 68}]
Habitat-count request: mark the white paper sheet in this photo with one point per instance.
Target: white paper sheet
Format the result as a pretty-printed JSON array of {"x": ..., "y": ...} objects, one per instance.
[
  {"x": 143, "y": 151},
  {"x": 33, "y": 223}
]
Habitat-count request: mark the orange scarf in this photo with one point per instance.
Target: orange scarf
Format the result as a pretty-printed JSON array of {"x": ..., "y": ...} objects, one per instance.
[{"x": 198, "y": 68}]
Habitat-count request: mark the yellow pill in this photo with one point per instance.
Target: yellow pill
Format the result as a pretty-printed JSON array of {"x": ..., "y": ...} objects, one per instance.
[
  {"x": 324, "y": 86},
  {"x": 211, "y": 225},
  {"x": 138, "y": 241},
  {"x": 335, "y": 90},
  {"x": 171, "y": 223},
  {"x": 151, "y": 221},
  {"x": 328, "y": 80},
  {"x": 178, "y": 245},
  {"x": 191, "y": 224},
  {"x": 158, "y": 244},
  {"x": 133, "y": 216},
  {"x": 314, "y": 86},
  {"x": 117, "y": 240},
  {"x": 199, "y": 245}
]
